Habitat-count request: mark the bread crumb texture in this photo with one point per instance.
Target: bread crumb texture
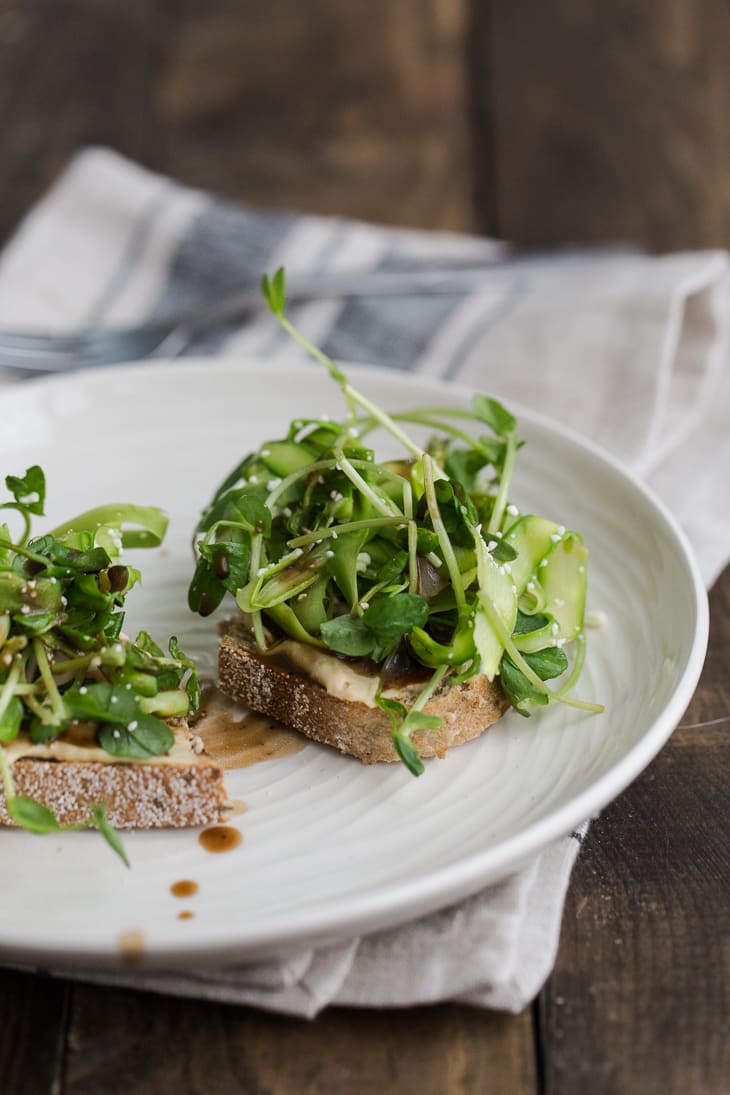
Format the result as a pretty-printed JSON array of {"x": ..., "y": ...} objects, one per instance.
[{"x": 352, "y": 727}]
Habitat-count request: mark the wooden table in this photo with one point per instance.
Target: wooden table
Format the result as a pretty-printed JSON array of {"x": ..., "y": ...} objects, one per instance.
[
  {"x": 637, "y": 1003},
  {"x": 540, "y": 123}
]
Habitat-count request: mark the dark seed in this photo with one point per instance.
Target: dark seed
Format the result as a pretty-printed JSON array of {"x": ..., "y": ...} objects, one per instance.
[
  {"x": 220, "y": 565},
  {"x": 207, "y": 605},
  {"x": 118, "y": 578}
]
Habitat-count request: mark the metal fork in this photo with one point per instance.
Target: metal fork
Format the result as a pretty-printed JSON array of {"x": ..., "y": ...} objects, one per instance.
[{"x": 168, "y": 337}]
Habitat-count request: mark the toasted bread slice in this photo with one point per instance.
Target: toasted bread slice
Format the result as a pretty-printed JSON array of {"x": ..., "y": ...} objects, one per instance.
[
  {"x": 277, "y": 686},
  {"x": 184, "y": 787}
]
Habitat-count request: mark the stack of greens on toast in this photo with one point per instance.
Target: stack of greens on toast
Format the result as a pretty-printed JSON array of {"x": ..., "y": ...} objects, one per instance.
[
  {"x": 389, "y": 608},
  {"x": 92, "y": 724}
]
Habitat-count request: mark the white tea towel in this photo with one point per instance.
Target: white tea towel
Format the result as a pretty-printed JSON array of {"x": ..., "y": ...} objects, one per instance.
[{"x": 626, "y": 348}]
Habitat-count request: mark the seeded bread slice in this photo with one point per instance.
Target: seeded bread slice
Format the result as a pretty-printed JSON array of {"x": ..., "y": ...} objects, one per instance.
[
  {"x": 147, "y": 795},
  {"x": 294, "y": 699}
]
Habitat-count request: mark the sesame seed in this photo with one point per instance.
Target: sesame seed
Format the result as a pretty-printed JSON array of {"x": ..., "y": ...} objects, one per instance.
[
  {"x": 83, "y": 690},
  {"x": 133, "y": 725},
  {"x": 512, "y": 510}
]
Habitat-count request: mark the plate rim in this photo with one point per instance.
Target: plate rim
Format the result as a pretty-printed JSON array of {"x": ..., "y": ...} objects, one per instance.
[{"x": 396, "y": 903}]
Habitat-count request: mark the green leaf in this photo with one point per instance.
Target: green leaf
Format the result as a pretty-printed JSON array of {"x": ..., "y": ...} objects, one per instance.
[
  {"x": 251, "y": 508},
  {"x": 229, "y": 562},
  {"x": 518, "y": 690},
  {"x": 102, "y": 702},
  {"x": 67, "y": 561},
  {"x": 110, "y": 834},
  {"x": 547, "y": 663},
  {"x": 504, "y": 552},
  {"x": 11, "y": 719},
  {"x": 526, "y": 623},
  {"x": 419, "y": 720},
  {"x": 29, "y": 490},
  {"x": 206, "y": 590},
  {"x": 43, "y": 731},
  {"x": 31, "y": 814},
  {"x": 464, "y": 466},
  {"x": 392, "y": 616},
  {"x": 274, "y": 291},
  {"x": 408, "y": 753},
  {"x": 146, "y": 643},
  {"x": 143, "y": 737},
  {"x": 428, "y": 541},
  {"x": 348, "y": 635},
  {"x": 393, "y": 569},
  {"x": 36, "y": 623},
  {"x": 493, "y": 414}
]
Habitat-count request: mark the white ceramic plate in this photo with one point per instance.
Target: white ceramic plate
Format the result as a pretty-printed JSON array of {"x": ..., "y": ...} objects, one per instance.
[{"x": 332, "y": 847}]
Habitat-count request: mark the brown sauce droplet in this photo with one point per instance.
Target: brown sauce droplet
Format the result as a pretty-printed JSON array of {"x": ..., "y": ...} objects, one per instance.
[
  {"x": 237, "y": 738},
  {"x": 186, "y": 914},
  {"x": 220, "y": 838},
  {"x": 132, "y": 946},
  {"x": 184, "y": 888}
]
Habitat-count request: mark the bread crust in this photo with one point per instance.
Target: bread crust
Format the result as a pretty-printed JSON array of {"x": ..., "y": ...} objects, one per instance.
[
  {"x": 354, "y": 728},
  {"x": 137, "y": 796}
]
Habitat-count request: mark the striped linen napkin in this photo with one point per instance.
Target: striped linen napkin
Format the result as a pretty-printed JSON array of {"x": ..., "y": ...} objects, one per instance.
[{"x": 628, "y": 349}]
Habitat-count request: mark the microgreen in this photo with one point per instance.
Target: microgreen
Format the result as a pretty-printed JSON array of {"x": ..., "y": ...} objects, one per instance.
[
  {"x": 63, "y": 656},
  {"x": 412, "y": 560}
]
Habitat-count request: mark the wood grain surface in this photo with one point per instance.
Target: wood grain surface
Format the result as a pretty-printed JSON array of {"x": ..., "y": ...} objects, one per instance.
[
  {"x": 540, "y": 123},
  {"x": 545, "y": 123}
]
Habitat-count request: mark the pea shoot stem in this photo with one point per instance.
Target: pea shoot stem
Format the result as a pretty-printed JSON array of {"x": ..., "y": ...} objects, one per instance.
[
  {"x": 444, "y": 542},
  {"x": 57, "y": 705},
  {"x": 384, "y": 505},
  {"x": 424, "y": 696}
]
